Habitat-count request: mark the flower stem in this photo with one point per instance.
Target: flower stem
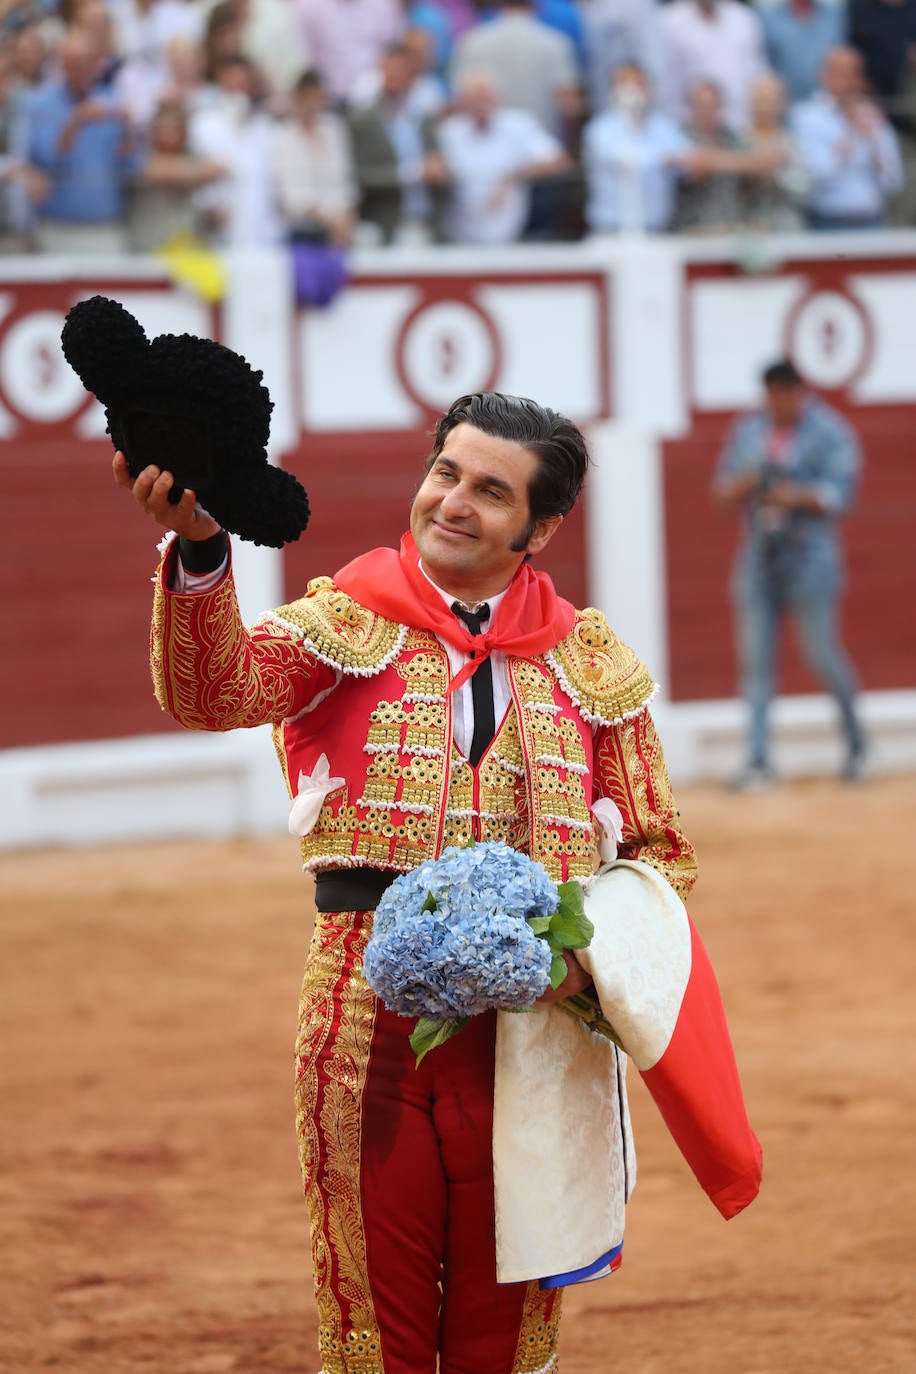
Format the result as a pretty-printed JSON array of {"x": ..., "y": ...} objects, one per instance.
[{"x": 584, "y": 1006}]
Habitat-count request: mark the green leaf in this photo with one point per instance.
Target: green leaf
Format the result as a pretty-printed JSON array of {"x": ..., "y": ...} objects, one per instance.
[
  {"x": 572, "y": 896},
  {"x": 540, "y": 924},
  {"x": 430, "y": 904},
  {"x": 569, "y": 924},
  {"x": 431, "y": 1031},
  {"x": 558, "y": 970}
]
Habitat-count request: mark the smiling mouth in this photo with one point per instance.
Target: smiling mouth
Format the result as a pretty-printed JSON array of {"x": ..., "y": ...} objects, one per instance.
[{"x": 447, "y": 529}]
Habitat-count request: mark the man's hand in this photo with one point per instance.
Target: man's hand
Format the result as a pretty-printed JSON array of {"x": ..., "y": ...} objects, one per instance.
[
  {"x": 867, "y": 118},
  {"x": 434, "y": 170},
  {"x": 795, "y": 496},
  {"x": 151, "y": 492},
  {"x": 576, "y": 980},
  {"x": 34, "y": 182},
  {"x": 731, "y": 491},
  {"x": 88, "y": 111}
]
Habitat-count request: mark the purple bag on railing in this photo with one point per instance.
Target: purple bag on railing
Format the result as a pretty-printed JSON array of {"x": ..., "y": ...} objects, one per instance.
[{"x": 319, "y": 272}]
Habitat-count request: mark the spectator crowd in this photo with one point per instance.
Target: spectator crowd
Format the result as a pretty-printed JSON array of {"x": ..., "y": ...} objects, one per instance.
[{"x": 132, "y": 125}]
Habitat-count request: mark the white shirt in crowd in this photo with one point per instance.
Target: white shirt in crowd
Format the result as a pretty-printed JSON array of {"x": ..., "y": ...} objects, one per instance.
[
  {"x": 312, "y": 169},
  {"x": 348, "y": 37},
  {"x": 489, "y": 204},
  {"x": 630, "y": 182},
  {"x": 851, "y": 172},
  {"x": 147, "y": 33},
  {"x": 232, "y": 133},
  {"x": 275, "y": 40},
  {"x": 724, "y": 45}
]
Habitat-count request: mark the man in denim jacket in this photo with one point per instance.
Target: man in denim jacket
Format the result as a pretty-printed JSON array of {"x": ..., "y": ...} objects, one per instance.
[{"x": 791, "y": 467}]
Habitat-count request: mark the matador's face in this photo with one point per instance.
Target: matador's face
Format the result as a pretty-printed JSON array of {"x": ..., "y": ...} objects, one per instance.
[{"x": 471, "y": 518}]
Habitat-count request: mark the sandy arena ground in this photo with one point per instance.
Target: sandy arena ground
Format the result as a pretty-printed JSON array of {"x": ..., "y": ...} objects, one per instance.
[{"x": 151, "y": 1216}]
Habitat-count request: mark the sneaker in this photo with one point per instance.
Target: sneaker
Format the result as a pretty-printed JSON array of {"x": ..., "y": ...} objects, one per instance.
[
  {"x": 855, "y": 769},
  {"x": 757, "y": 778}
]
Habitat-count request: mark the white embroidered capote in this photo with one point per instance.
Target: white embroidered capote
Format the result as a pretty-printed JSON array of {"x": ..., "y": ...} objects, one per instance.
[{"x": 558, "y": 1137}]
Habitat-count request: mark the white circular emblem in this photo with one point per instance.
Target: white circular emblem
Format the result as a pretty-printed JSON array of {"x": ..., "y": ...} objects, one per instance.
[
  {"x": 447, "y": 351},
  {"x": 828, "y": 339},
  {"x": 34, "y": 374}
]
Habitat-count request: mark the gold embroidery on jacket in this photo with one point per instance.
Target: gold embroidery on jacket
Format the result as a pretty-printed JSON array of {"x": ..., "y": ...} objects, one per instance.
[
  {"x": 631, "y": 764},
  {"x": 204, "y": 673},
  {"x": 279, "y": 742},
  {"x": 157, "y": 647},
  {"x": 562, "y": 833},
  {"x": 340, "y": 630},
  {"x": 503, "y": 793},
  {"x": 599, "y": 672},
  {"x": 501, "y": 813},
  {"x": 393, "y": 821}
]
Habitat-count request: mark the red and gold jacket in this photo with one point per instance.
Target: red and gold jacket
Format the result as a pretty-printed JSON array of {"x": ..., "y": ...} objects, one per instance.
[{"x": 337, "y": 679}]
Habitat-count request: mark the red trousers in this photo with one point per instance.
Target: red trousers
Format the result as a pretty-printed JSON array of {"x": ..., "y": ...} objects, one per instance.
[{"x": 398, "y": 1171}]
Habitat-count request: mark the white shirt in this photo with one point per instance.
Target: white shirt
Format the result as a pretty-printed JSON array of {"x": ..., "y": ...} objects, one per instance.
[
  {"x": 274, "y": 38},
  {"x": 630, "y": 181},
  {"x": 725, "y": 46},
  {"x": 462, "y": 697},
  {"x": 348, "y": 37},
  {"x": 851, "y": 173},
  {"x": 312, "y": 169},
  {"x": 232, "y": 133},
  {"x": 147, "y": 33},
  {"x": 488, "y": 205}
]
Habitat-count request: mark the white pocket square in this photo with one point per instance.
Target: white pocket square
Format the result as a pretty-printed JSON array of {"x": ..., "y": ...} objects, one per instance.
[
  {"x": 611, "y": 821},
  {"x": 310, "y": 794}
]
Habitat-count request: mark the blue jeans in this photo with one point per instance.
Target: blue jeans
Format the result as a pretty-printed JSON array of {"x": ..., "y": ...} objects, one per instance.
[{"x": 765, "y": 591}]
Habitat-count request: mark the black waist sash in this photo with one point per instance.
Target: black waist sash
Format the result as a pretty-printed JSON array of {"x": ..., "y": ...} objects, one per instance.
[{"x": 351, "y": 889}]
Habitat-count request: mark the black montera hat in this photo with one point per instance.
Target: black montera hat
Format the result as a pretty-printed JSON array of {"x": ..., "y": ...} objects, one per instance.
[{"x": 191, "y": 407}]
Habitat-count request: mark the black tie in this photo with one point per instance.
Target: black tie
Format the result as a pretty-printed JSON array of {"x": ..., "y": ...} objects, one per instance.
[{"x": 481, "y": 686}]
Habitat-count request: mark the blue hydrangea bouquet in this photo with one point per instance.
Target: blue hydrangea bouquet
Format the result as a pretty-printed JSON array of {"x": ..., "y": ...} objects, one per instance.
[{"x": 482, "y": 926}]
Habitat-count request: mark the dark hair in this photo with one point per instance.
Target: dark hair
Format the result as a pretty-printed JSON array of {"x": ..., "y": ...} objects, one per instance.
[
  {"x": 223, "y": 17},
  {"x": 555, "y": 441},
  {"x": 170, "y": 109},
  {"x": 782, "y": 373},
  {"x": 310, "y": 80},
  {"x": 232, "y": 59}
]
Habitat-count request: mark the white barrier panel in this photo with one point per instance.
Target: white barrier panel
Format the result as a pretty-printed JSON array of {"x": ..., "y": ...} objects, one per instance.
[{"x": 138, "y": 789}]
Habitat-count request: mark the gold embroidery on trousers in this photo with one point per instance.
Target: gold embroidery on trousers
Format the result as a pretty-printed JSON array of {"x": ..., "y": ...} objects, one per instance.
[
  {"x": 537, "y": 1343},
  {"x": 328, "y": 1123}
]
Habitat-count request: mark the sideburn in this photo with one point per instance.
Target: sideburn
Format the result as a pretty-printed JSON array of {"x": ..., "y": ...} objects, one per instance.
[{"x": 520, "y": 544}]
